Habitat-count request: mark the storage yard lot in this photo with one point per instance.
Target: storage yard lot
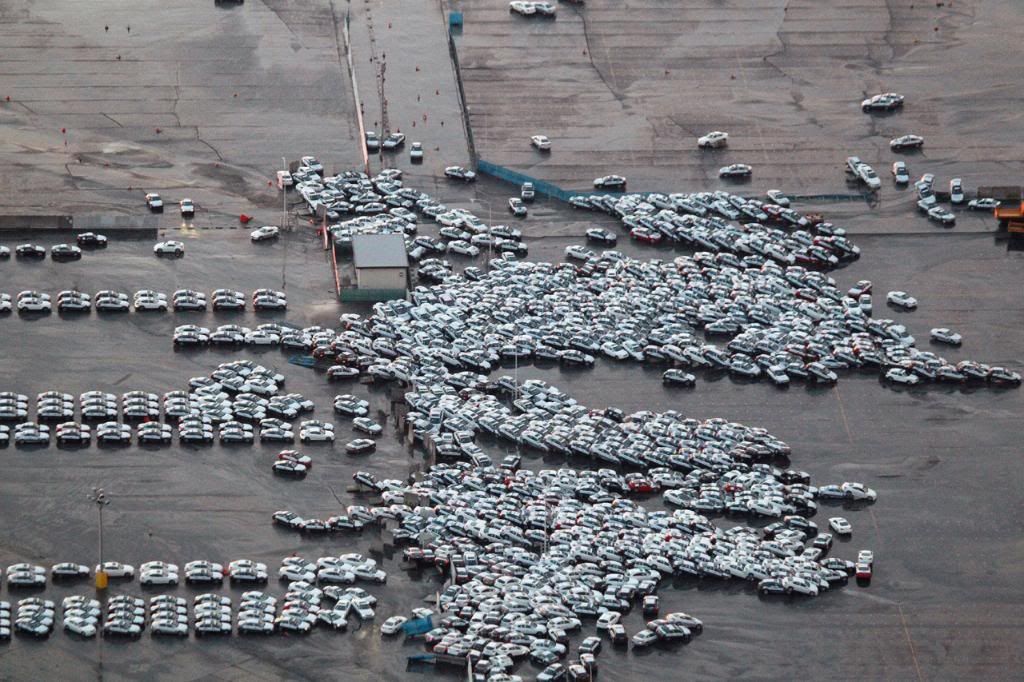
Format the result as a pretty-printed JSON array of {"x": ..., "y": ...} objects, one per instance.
[
  {"x": 945, "y": 460},
  {"x": 627, "y": 89}
]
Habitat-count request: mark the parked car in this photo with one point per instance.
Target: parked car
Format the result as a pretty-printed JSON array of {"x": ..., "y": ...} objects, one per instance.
[
  {"x": 735, "y": 170},
  {"x": 713, "y": 140},
  {"x": 900, "y": 174},
  {"x": 169, "y": 247},
  {"x": 459, "y": 173},
  {"x": 901, "y": 299},
  {"x": 956, "y": 191},
  {"x": 610, "y": 182},
  {"x": 265, "y": 233},
  {"x": 906, "y": 142}
]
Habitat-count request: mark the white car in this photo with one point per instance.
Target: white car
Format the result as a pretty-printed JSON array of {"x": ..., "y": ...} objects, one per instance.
[
  {"x": 522, "y": 8},
  {"x": 416, "y": 152},
  {"x": 579, "y": 252},
  {"x": 367, "y": 425},
  {"x": 898, "y": 375},
  {"x": 778, "y": 198},
  {"x": 79, "y": 625},
  {"x": 168, "y": 626},
  {"x": 944, "y": 335},
  {"x": 607, "y": 619},
  {"x": 115, "y": 569},
  {"x": 906, "y": 142},
  {"x": 900, "y": 174},
  {"x": 158, "y": 302},
  {"x": 188, "y": 209},
  {"x": 956, "y": 191},
  {"x": 265, "y": 233},
  {"x": 541, "y": 142},
  {"x": 985, "y": 204},
  {"x": 459, "y": 173},
  {"x": 901, "y": 299},
  {"x": 713, "y": 140},
  {"x": 158, "y": 577},
  {"x": 941, "y": 215},
  {"x": 68, "y": 570},
  {"x": 393, "y": 625},
  {"x": 169, "y": 247},
  {"x": 463, "y": 248},
  {"x": 840, "y": 526},
  {"x": 154, "y": 202},
  {"x": 868, "y": 176},
  {"x": 610, "y": 182},
  {"x": 735, "y": 170}
]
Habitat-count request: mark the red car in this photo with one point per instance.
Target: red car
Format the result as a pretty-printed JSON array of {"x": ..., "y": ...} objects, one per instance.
[
  {"x": 641, "y": 486},
  {"x": 645, "y": 235},
  {"x": 863, "y": 571}
]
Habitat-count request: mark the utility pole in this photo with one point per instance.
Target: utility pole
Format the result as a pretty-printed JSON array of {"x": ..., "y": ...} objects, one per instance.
[
  {"x": 100, "y": 498},
  {"x": 284, "y": 197}
]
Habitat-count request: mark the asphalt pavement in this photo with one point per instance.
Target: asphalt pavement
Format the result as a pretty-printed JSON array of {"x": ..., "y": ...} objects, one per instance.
[{"x": 945, "y": 600}]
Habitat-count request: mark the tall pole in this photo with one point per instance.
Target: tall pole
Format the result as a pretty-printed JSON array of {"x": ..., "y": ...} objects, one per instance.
[
  {"x": 99, "y": 507},
  {"x": 100, "y": 498},
  {"x": 284, "y": 197}
]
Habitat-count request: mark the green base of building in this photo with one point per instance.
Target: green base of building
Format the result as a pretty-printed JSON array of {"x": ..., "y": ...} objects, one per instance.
[{"x": 371, "y": 295}]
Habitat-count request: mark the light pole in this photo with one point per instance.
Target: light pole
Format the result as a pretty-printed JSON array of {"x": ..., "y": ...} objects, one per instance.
[
  {"x": 284, "y": 198},
  {"x": 100, "y": 498}
]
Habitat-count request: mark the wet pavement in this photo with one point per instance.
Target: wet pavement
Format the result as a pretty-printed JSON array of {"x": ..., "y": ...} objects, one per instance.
[
  {"x": 945, "y": 461},
  {"x": 628, "y": 88}
]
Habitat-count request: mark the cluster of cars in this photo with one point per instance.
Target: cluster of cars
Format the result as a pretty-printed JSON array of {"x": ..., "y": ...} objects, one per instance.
[
  {"x": 351, "y": 193},
  {"x": 532, "y": 558},
  {"x": 327, "y": 570},
  {"x": 702, "y": 221},
  {"x": 462, "y": 233},
  {"x": 58, "y": 252},
  {"x": 25, "y": 575},
  {"x": 391, "y": 142},
  {"x": 155, "y": 203},
  {"x": 795, "y": 324},
  {"x": 927, "y": 201},
  {"x": 527, "y": 8},
  {"x": 34, "y": 617}
]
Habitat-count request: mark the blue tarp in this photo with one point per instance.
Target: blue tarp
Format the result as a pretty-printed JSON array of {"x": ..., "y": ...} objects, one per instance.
[
  {"x": 302, "y": 360},
  {"x": 418, "y": 626}
]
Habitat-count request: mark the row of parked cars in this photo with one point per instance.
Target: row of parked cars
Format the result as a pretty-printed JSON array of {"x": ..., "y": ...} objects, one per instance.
[
  {"x": 58, "y": 252},
  {"x": 143, "y": 300},
  {"x": 302, "y": 607}
]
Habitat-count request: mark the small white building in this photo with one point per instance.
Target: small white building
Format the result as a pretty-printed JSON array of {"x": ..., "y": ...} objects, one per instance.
[{"x": 382, "y": 267}]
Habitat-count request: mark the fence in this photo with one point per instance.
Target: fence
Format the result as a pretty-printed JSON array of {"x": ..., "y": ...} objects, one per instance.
[
  {"x": 517, "y": 178},
  {"x": 462, "y": 98},
  {"x": 355, "y": 91}
]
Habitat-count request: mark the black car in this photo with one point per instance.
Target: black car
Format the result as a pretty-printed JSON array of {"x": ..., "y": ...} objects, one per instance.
[
  {"x": 772, "y": 586},
  {"x": 602, "y": 236},
  {"x": 30, "y": 251},
  {"x": 91, "y": 239},
  {"x": 65, "y": 252},
  {"x": 791, "y": 476}
]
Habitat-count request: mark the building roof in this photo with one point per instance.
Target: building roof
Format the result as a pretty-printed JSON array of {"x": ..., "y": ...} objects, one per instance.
[{"x": 379, "y": 251}]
